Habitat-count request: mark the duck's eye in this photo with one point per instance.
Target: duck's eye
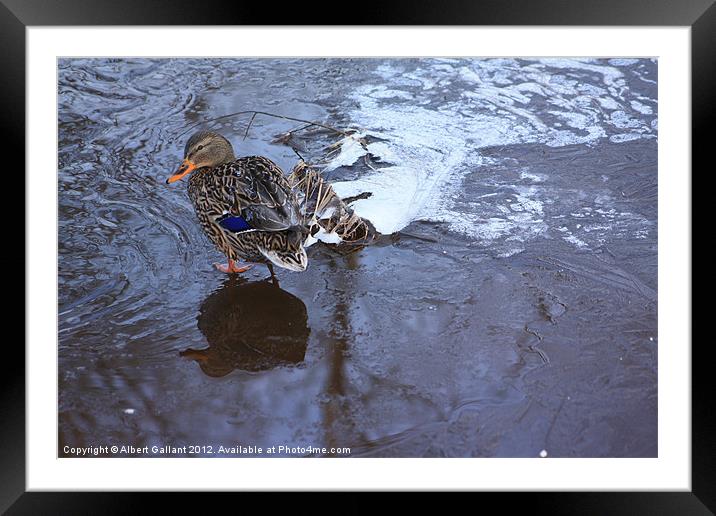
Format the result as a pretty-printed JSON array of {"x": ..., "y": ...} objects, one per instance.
[{"x": 199, "y": 148}]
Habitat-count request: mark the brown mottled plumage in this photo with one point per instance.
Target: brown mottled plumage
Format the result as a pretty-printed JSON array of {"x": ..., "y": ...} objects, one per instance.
[
  {"x": 253, "y": 188},
  {"x": 251, "y": 211}
]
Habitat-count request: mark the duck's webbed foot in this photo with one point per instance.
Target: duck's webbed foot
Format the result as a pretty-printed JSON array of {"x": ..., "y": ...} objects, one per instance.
[{"x": 232, "y": 268}]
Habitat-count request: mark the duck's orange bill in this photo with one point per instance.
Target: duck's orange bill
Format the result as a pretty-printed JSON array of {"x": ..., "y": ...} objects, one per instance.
[{"x": 185, "y": 167}]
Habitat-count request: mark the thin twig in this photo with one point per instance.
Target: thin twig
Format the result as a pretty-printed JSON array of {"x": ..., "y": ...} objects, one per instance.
[
  {"x": 305, "y": 126},
  {"x": 254, "y": 113},
  {"x": 296, "y": 153},
  {"x": 366, "y": 160},
  {"x": 249, "y": 126},
  {"x": 354, "y": 198}
]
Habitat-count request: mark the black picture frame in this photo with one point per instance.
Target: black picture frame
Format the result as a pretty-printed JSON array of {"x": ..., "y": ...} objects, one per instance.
[{"x": 17, "y": 15}]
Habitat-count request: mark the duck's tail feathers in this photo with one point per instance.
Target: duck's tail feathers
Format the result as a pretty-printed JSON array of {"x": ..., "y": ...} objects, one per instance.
[
  {"x": 291, "y": 259},
  {"x": 324, "y": 213}
]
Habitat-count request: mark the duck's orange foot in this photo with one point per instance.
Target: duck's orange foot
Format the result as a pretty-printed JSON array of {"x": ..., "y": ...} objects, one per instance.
[{"x": 231, "y": 267}]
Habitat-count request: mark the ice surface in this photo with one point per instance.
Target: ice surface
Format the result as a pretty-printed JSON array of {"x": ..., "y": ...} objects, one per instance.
[{"x": 428, "y": 143}]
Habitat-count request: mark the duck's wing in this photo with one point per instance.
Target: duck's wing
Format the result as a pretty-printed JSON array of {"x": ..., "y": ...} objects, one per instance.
[{"x": 254, "y": 194}]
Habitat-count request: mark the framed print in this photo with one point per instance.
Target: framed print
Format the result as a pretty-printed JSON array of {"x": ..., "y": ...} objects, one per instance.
[{"x": 450, "y": 252}]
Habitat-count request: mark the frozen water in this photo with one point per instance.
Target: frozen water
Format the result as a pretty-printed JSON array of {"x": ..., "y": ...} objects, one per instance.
[{"x": 429, "y": 144}]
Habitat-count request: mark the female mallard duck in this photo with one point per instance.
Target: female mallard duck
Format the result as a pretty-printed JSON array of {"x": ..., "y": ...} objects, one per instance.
[{"x": 246, "y": 206}]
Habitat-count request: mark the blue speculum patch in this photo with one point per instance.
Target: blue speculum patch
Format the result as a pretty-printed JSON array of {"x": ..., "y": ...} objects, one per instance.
[{"x": 234, "y": 223}]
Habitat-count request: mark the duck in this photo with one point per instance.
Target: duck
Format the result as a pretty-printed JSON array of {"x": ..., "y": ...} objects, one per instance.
[{"x": 246, "y": 205}]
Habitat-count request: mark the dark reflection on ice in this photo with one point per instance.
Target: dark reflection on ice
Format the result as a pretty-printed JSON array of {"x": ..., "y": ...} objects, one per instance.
[{"x": 251, "y": 326}]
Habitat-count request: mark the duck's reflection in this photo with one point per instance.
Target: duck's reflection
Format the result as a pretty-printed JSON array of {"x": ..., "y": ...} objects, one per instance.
[{"x": 250, "y": 326}]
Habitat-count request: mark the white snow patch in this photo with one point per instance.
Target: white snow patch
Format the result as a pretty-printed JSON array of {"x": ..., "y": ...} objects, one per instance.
[
  {"x": 351, "y": 150},
  {"x": 608, "y": 103},
  {"x": 619, "y": 138},
  {"x": 532, "y": 177},
  {"x": 322, "y": 236},
  {"x": 576, "y": 241},
  {"x": 622, "y": 120},
  {"x": 430, "y": 143},
  {"x": 641, "y": 108},
  {"x": 623, "y": 61}
]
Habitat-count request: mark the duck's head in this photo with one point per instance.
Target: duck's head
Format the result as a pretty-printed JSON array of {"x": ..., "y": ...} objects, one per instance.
[{"x": 204, "y": 149}]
